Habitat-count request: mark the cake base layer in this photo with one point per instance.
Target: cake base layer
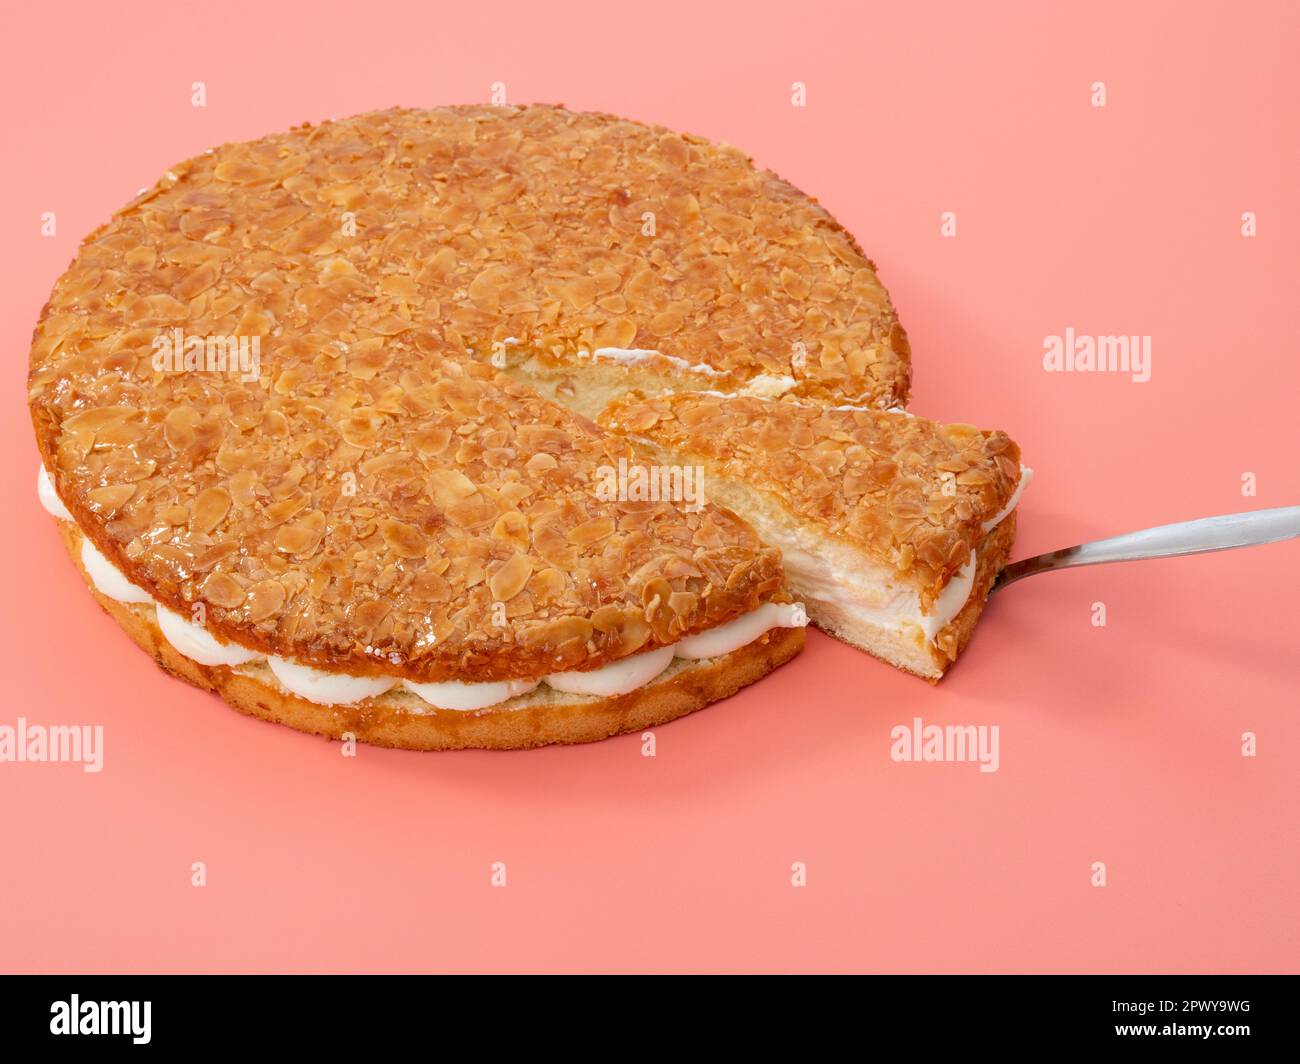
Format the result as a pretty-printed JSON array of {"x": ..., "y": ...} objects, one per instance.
[{"x": 398, "y": 719}]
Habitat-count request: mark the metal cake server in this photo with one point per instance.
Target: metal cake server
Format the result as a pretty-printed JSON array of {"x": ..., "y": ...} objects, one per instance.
[{"x": 1204, "y": 536}]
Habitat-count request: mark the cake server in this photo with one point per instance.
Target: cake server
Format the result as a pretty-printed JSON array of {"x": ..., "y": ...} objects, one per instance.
[{"x": 1204, "y": 536}]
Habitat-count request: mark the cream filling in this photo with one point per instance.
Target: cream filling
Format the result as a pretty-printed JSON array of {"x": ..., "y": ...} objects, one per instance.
[
  {"x": 743, "y": 630},
  {"x": 768, "y": 386},
  {"x": 1026, "y": 475},
  {"x": 452, "y": 694},
  {"x": 887, "y": 605},
  {"x": 197, "y": 643},
  {"x": 828, "y": 572},
  {"x": 332, "y": 688},
  {"x": 49, "y": 497},
  {"x": 108, "y": 578},
  {"x": 950, "y": 601},
  {"x": 824, "y": 571},
  {"x": 616, "y": 678},
  {"x": 327, "y": 688}
]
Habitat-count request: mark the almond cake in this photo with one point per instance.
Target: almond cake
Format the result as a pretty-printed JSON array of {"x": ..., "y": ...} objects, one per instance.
[
  {"x": 314, "y": 414},
  {"x": 892, "y": 528}
]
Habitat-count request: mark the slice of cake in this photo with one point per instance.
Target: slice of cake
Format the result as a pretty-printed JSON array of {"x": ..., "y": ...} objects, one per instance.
[
  {"x": 892, "y": 527},
  {"x": 313, "y": 412}
]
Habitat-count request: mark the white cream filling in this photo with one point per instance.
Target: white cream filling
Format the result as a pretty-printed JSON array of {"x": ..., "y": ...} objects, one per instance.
[
  {"x": 892, "y": 606},
  {"x": 49, "y": 497},
  {"x": 1026, "y": 475},
  {"x": 197, "y": 643},
  {"x": 828, "y": 572},
  {"x": 108, "y": 578},
  {"x": 768, "y": 386},
  {"x": 330, "y": 688},
  {"x": 743, "y": 630},
  {"x": 616, "y": 678},
  {"x": 452, "y": 694},
  {"x": 889, "y": 605},
  {"x": 327, "y": 688},
  {"x": 951, "y": 600}
]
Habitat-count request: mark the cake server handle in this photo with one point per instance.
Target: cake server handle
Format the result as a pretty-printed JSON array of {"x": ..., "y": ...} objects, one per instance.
[{"x": 1204, "y": 536}]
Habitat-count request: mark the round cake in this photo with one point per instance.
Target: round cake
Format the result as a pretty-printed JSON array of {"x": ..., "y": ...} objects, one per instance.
[{"x": 313, "y": 413}]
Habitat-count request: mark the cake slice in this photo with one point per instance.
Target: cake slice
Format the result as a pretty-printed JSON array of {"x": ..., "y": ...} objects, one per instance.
[
  {"x": 314, "y": 416},
  {"x": 892, "y": 527}
]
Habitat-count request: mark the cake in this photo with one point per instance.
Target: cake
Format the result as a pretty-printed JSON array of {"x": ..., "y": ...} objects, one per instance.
[
  {"x": 315, "y": 415},
  {"x": 892, "y": 528}
]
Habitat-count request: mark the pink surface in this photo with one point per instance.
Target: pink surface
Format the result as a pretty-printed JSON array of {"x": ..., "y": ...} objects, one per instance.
[{"x": 1119, "y": 744}]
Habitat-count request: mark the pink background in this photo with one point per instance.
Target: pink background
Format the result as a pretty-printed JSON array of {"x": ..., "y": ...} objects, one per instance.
[{"x": 1119, "y": 744}]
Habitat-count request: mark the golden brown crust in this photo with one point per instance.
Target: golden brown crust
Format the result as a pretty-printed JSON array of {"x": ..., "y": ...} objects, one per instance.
[
  {"x": 911, "y": 493},
  {"x": 380, "y": 722}
]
